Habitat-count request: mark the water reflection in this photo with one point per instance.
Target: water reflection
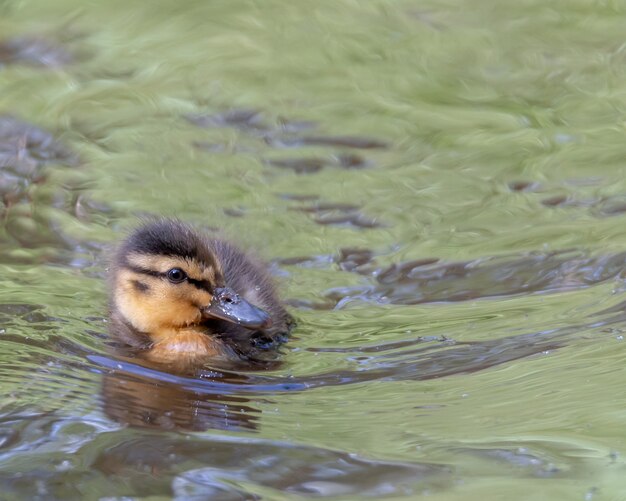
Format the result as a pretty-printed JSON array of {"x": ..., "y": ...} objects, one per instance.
[
  {"x": 145, "y": 402},
  {"x": 144, "y": 393}
]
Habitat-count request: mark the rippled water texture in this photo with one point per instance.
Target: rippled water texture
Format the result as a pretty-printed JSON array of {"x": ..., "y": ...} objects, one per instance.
[{"x": 438, "y": 187}]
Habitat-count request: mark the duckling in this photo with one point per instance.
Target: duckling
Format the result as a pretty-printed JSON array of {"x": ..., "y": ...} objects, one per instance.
[{"x": 181, "y": 298}]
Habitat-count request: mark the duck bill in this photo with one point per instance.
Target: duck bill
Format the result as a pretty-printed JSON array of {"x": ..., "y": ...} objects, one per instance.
[{"x": 229, "y": 306}]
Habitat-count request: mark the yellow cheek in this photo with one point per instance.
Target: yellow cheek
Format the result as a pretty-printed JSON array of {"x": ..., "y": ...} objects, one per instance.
[
  {"x": 167, "y": 311},
  {"x": 160, "y": 305}
]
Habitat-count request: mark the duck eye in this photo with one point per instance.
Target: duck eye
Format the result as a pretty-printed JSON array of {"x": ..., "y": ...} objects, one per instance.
[{"x": 176, "y": 275}]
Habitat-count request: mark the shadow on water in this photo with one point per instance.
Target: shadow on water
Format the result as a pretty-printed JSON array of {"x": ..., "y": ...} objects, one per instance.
[
  {"x": 34, "y": 51},
  {"x": 431, "y": 280},
  {"x": 25, "y": 151}
]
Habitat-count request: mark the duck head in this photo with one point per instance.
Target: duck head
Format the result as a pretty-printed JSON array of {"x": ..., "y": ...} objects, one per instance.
[{"x": 166, "y": 276}]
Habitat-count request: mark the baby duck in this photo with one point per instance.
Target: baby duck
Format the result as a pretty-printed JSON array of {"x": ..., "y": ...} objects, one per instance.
[{"x": 182, "y": 298}]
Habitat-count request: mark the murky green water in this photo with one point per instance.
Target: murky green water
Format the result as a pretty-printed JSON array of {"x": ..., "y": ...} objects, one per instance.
[{"x": 439, "y": 187}]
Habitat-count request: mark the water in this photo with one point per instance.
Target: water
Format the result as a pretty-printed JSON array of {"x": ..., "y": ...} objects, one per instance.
[{"x": 439, "y": 188}]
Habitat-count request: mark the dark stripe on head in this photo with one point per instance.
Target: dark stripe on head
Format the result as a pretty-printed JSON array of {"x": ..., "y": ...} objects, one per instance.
[
  {"x": 142, "y": 287},
  {"x": 144, "y": 271},
  {"x": 204, "y": 285},
  {"x": 168, "y": 237}
]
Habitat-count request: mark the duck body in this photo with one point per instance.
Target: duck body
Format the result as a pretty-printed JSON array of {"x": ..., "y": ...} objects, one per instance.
[{"x": 182, "y": 298}]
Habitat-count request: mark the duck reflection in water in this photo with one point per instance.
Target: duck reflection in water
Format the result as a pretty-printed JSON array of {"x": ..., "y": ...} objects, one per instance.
[
  {"x": 144, "y": 397},
  {"x": 181, "y": 301}
]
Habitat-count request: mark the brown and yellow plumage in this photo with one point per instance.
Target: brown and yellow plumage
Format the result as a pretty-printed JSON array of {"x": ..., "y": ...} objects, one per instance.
[{"x": 181, "y": 297}]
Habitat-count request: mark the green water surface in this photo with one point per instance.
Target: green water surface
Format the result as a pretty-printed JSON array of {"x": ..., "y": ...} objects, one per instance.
[{"x": 499, "y": 132}]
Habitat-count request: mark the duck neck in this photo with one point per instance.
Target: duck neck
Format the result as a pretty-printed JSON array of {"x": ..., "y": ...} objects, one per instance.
[{"x": 187, "y": 343}]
